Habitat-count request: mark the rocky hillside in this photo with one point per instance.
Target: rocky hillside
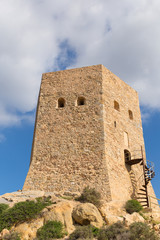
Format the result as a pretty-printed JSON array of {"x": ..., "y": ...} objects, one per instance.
[{"x": 69, "y": 212}]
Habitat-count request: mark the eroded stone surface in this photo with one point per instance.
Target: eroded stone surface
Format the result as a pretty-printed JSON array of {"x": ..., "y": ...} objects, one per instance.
[
  {"x": 62, "y": 212},
  {"x": 87, "y": 213}
]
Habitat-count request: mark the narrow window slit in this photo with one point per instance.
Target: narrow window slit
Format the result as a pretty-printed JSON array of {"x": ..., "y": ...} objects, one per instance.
[
  {"x": 116, "y": 106},
  {"x": 130, "y": 114}
]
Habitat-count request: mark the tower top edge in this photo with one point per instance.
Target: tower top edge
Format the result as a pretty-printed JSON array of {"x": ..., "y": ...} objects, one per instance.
[{"x": 99, "y": 67}]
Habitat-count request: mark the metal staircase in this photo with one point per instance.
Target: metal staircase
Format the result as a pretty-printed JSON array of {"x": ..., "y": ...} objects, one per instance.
[{"x": 148, "y": 173}]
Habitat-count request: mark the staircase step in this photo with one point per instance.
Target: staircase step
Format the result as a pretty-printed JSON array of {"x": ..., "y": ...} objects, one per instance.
[
  {"x": 142, "y": 194},
  {"x": 144, "y": 206},
  {"x": 144, "y": 190},
  {"x": 141, "y": 198}
]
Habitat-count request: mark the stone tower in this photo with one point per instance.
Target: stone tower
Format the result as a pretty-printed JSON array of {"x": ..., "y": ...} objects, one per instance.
[{"x": 88, "y": 131}]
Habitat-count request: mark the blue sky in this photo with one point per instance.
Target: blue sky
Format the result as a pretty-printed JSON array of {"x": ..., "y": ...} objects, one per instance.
[{"x": 45, "y": 35}]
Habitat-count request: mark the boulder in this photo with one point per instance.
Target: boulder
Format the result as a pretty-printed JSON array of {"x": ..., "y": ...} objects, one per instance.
[
  {"x": 156, "y": 216},
  {"x": 110, "y": 219},
  {"x": 87, "y": 213},
  {"x": 131, "y": 218},
  {"x": 115, "y": 208},
  {"x": 3, "y": 233},
  {"x": 28, "y": 230},
  {"x": 62, "y": 211},
  {"x": 157, "y": 228}
]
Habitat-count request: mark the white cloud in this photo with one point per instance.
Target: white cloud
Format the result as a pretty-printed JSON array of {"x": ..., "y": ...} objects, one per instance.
[{"x": 122, "y": 35}]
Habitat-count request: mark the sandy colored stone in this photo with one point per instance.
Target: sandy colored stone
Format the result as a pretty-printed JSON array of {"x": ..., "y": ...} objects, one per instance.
[
  {"x": 156, "y": 216},
  {"x": 113, "y": 208},
  {"x": 131, "y": 218},
  {"x": 111, "y": 219},
  {"x": 62, "y": 212},
  {"x": 83, "y": 145},
  {"x": 28, "y": 230},
  {"x": 3, "y": 233},
  {"x": 157, "y": 228},
  {"x": 87, "y": 213}
]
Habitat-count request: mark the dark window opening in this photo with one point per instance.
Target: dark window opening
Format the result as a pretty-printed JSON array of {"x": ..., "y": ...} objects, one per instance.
[
  {"x": 61, "y": 102},
  {"x": 115, "y": 124},
  {"x": 116, "y": 105},
  {"x": 130, "y": 114},
  {"x": 127, "y": 155},
  {"x": 81, "y": 101}
]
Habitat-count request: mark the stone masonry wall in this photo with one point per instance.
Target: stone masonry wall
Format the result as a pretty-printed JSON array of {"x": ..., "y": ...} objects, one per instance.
[
  {"x": 68, "y": 148},
  {"x": 125, "y": 180},
  {"x": 76, "y": 146}
]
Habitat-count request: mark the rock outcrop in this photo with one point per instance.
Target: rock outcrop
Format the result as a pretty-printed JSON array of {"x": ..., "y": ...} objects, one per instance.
[
  {"x": 87, "y": 213},
  {"x": 71, "y": 213}
]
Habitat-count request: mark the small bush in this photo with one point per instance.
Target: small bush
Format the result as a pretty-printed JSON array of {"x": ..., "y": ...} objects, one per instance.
[
  {"x": 84, "y": 232},
  {"x": 116, "y": 231},
  {"x": 133, "y": 206},
  {"x": 142, "y": 231},
  {"x": 90, "y": 195},
  {"x": 22, "y": 212},
  {"x": 12, "y": 236},
  {"x": 3, "y": 207},
  {"x": 51, "y": 230}
]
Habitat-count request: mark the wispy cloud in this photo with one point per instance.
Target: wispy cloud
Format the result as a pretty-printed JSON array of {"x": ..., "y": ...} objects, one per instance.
[
  {"x": 45, "y": 35},
  {"x": 2, "y": 138}
]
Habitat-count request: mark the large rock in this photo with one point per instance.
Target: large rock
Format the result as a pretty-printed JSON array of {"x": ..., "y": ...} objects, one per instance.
[
  {"x": 3, "y": 233},
  {"x": 110, "y": 219},
  {"x": 87, "y": 213},
  {"x": 156, "y": 216},
  {"x": 62, "y": 212},
  {"x": 115, "y": 208},
  {"x": 131, "y": 218},
  {"x": 28, "y": 230}
]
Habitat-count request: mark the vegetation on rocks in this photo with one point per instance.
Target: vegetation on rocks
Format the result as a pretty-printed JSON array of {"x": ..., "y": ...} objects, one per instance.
[
  {"x": 115, "y": 231},
  {"x": 133, "y": 206},
  {"x": 12, "y": 236},
  {"x": 142, "y": 231},
  {"x": 51, "y": 230},
  {"x": 84, "y": 232},
  {"x": 90, "y": 195},
  {"x": 26, "y": 219},
  {"x": 21, "y": 212},
  {"x": 136, "y": 231},
  {"x": 3, "y": 207}
]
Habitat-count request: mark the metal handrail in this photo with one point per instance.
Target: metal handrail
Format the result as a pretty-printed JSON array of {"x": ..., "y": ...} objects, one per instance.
[{"x": 150, "y": 171}]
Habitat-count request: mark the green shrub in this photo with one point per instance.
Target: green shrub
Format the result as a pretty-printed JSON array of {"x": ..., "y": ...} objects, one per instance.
[
  {"x": 3, "y": 207},
  {"x": 12, "y": 236},
  {"x": 141, "y": 231},
  {"x": 22, "y": 212},
  {"x": 51, "y": 230},
  {"x": 90, "y": 195},
  {"x": 116, "y": 231},
  {"x": 84, "y": 232},
  {"x": 133, "y": 206}
]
